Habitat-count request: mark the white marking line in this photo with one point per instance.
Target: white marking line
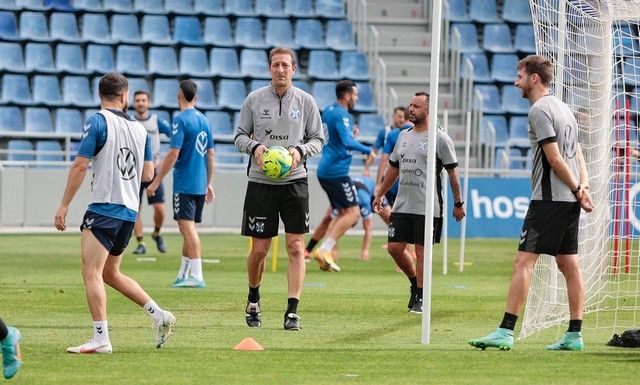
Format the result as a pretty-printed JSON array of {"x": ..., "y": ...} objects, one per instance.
[
  {"x": 210, "y": 260},
  {"x": 147, "y": 259}
]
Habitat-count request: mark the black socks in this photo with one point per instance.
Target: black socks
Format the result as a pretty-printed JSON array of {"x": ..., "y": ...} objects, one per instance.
[
  {"x": 509, "y": 321},
  {"x": 254, "y": 294}
]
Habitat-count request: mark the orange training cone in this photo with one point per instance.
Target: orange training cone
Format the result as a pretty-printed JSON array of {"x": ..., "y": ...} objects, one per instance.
[{"x": 248, "y": 344}]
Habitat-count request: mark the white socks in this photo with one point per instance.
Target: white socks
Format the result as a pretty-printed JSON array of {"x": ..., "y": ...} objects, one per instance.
[
  {"x": 155, "y": 312},
  {"x": 196, "y": 268},
  {"x": 327, "y": 245},
  {"x": 100, "y": 332},
  {"x": 184, "y": 268}
]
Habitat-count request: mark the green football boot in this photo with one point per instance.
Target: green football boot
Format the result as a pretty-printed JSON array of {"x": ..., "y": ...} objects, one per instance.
[
  {"x": 570, "y": 341},
  {"x": 501, "y": 339}
]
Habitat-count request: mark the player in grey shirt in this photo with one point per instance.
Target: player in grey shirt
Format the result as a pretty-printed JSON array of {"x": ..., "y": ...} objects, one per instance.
[
  {"x": 278, "y": 114},
  {"x": 560, "y": 185},
  {"x": 408, "y": 162}
]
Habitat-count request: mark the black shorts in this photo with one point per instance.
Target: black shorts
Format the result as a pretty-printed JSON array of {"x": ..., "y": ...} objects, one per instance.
[
  {"x": 188, "y": 207},
  {"x": 157, "y": 198},
  {"x": 112, "y": 233},
  {"x": 551, "y": 228},
  {"x": 342, "y": 192},
  {"x": 264, "y": 203},
  {"x": 409, "y": 228}
]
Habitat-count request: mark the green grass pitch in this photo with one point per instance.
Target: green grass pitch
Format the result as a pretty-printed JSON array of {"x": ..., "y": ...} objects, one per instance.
[{"x": 356, "y": 328}]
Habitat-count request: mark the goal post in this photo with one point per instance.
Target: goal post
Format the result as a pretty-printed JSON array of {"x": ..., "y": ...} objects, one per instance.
[{"x": 594, "y": 46}]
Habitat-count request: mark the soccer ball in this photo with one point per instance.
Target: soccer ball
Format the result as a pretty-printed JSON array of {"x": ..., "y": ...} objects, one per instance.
[{"x": 277, "y": 162}]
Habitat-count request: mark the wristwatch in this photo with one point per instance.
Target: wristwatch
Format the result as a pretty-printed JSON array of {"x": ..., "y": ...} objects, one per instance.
[{"x": 458, "y": 204}]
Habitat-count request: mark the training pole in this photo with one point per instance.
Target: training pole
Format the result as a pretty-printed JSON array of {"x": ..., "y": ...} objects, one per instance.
[
  {"x": 430, "y": 173},
  {"x": 444, "y": 177}
]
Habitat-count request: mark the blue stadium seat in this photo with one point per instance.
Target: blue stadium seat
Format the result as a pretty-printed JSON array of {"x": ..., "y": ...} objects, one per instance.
[
  {"x": 631, "y": 71},
  {"x": 130, "y": 60},
  {"x": 330, "y": 9},
  {"x": 299, "y": 8},
  {"x": 187, "y": 30},
  {"x": 62, "y": 5},
  {"x": 224, "y": 63},
  {"x": 164, "y": 115},
  {"x": 309, "y": 34},
  {"x": 149, "y": 6},
  {"x": 46, "y": 90},
  {"x": 217, "y": 31},
  {"x": 270, "y": 8},
  {"x": 324, "y": 93},
  {"x": 64, "y": 27},
  {"x": 11, "y": 58},
  {"x": 491, "y": 103},
  {"x": 625, "y": 41},
  {"x": 303, "y": 85},
  {"x": 100, "y": 59},
  {"x": 15, "y": 89},
  {"x": 249, "y": 32},
  {"x": 511, "y": 159},
  {"x": 206, "y": 95},
  {"x": 519, "y": 131},
  {"x": 468, "y": 37},
  {"x": 31, "y": 4},
  {"x": 194, "y": 61},
  {"x": 20, "y": 150},
  {"x": 125, "y": 29},
  {"x": 525, "y": 39},
  {"x": 239, "y": 7},
  {"x": 365, "y": 101},
  {"x": 484, "y": 11},
  {"x": 220, "y": 122},
  {"x": 8, "y": 26},
  {"x": 88, "y": 5},
  {"x": 117, "y": 5},
  {"x": 155, "y": 29},
  {"x": 95, "y": 90},
  {"x": 38, "y": 57},
  {"x": 163, "y": 61},
  {"x": 209, "y": 7},
  {"x": 516, "y": 11},
  {"x": 323, "y": 65},
  {"x": 88, "y": 113},
  {"x": 137, "y": 84},
  {"x": 279, "y": 32},
  {"x": 37, "y": 119},
  {"x": 69, "y": 58},
  {"x": 11, "y": 119},
  {"x": 370, "y": 125},
  {"x": 95, "y": 28},
  {"x": 480, "y": 67},
  {"x": 68, "y": 120},
  {"x": 49, "y": 151},
  {"x": 229, "y": 154},
  {"x": 258, "y": 83},
  {"x": 457, "y": 11},
  {"x": 164, "y": 93},
  {"x": 353, "y": 65},
  {"x": 179, "y": 6},
  {"x": 513, "y": 102},
  {"x": 253, "y": 63},
  {"x": 497, "y": 38},
  {"x": 231, "y": 93},
  {"x": 503, "y": 67},
  {"x": 75, "y": 91},
  {"x": 499, "y": 123},
  {"x": 339, "y": 35},
  {"x": 33, "y": 26}
]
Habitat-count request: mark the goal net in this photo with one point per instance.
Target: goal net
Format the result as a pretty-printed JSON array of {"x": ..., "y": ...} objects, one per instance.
[{"x": 595, "y": 49}]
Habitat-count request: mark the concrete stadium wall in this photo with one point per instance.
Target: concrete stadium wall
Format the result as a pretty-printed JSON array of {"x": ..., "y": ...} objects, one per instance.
[{"x": 29, "y": 197}]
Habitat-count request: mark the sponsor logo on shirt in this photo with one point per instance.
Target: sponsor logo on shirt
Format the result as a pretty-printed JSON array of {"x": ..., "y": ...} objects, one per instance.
[{"x": 265, "y": 114}]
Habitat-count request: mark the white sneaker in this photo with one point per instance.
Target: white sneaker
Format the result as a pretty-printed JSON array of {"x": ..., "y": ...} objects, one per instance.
[
  {"x": 164, "y": 329},
  {"x": 91, "y": 347}
]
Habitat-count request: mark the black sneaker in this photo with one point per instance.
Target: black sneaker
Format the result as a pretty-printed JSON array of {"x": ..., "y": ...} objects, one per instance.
[
  {"x": 140, "y": 249},
  {"x": 412, "y": 298},
  {"x": 253, "y": 315},
  {"x": 159, "y": 242},
  {"x": 417, "y": 306},
  {"x": 292, "y": 322}
]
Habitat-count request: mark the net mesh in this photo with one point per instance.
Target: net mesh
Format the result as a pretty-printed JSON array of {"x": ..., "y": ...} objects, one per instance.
[{"x": 594, "y": 47}]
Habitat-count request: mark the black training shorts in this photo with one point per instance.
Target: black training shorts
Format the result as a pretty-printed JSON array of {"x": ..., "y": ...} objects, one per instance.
[
  {"x": 550, "y": 228},
  {"x": 409, "y": 228}
]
